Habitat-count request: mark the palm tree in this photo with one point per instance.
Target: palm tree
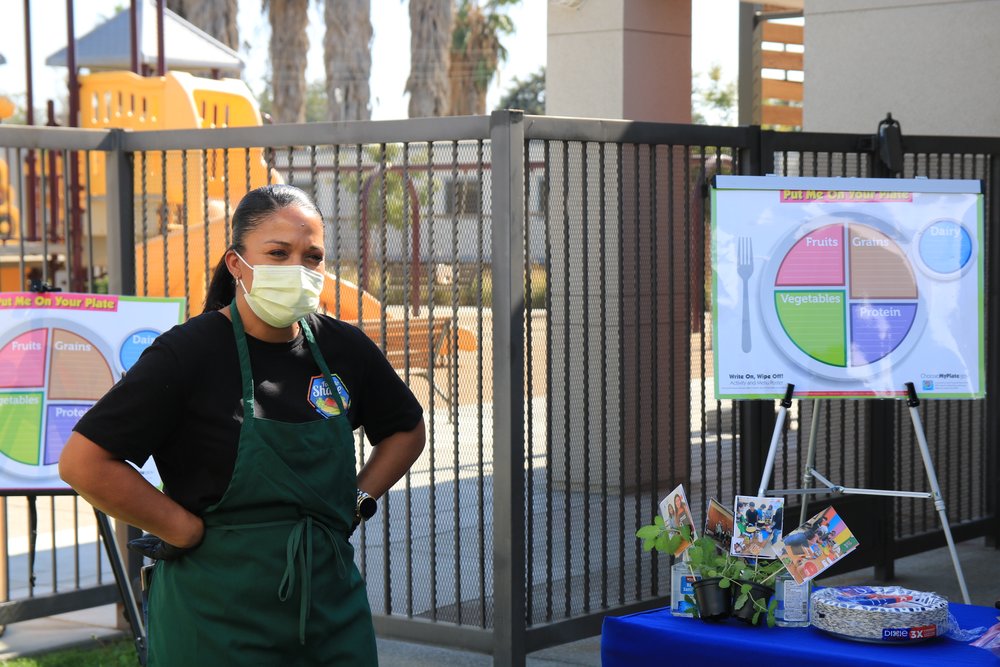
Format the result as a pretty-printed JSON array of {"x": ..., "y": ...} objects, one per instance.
[
  {"x": 288, "y": 51},
  {"x": 216, "y": 17},
  {"x": 430, "y": 32},
  {"x": 476, "y": 53},
  {"x": 348, "y": 56}
]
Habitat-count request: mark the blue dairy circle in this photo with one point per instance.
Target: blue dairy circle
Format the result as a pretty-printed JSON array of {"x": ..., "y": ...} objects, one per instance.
[
  {"x": 134, "y": 345},
  {"x": 945, "y": 247}
]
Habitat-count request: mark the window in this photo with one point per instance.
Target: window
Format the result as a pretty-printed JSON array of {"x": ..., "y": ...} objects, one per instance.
[{"x": 463, "y": 198}]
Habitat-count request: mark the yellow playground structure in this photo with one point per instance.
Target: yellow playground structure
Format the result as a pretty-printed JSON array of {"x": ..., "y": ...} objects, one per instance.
[
  {"x": 177, "y": 195},
  {"x": 172, "y": 213}
]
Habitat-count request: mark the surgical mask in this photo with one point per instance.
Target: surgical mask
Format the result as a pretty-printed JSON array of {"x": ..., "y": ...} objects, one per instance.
[{"x": 282, "y": 294}]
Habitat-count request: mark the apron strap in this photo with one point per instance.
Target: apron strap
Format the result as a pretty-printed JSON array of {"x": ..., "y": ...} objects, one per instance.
[
  {"x": 311, "y": 339},
  {"x": 244, "y": 353},
  {"x": 298, "y": 559},
  {"x": 247, "y": 372},
  {"x": 295, "y": 553}
]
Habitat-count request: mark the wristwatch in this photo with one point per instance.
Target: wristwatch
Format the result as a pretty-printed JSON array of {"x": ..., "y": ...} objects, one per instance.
[{"x": 365, "y": 507}]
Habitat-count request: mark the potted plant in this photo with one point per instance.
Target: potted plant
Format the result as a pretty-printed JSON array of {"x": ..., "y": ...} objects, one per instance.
[
  {"x": 754, "y": 592},
  {"x": 713, "y": 591},
  {"x": 713, "y": 597},
  {"x": 727, "y": 584}
]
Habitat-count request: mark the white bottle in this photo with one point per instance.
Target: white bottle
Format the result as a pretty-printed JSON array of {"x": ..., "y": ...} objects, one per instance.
[
  {"x": 681, "y": 585},
  {"x": 793, "y": 601}
]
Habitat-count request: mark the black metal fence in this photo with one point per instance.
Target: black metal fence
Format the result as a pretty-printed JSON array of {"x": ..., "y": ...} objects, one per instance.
[{"x": 541, "y": 285}]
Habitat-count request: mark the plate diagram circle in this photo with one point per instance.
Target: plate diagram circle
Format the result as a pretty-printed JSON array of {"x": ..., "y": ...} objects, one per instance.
[
  {"x": 840, "y": 298},
  {"x": 68, "y": 367}
]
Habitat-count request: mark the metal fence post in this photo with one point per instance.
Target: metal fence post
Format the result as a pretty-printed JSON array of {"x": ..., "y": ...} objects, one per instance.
[
  {"x": 121, "y": 275},
  {"x": 993, "y": 349},
  {"x": 880, "y": 472},
  {"x": 121, "y": 218},
  {"x": 757, "y": 418},
  {"x": 509, "y": 625},
  {"x": 880, "y": 449}
]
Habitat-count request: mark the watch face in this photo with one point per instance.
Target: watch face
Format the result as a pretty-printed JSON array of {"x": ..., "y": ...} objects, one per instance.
[{"x": 367, "y": 506}]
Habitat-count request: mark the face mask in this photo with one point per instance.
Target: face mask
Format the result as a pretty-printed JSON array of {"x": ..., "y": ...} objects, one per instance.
[{"x": 281, "y": 295}]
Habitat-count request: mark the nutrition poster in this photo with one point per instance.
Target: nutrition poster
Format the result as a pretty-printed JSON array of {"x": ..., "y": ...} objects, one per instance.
[
  {"x": 847, "y": 288},
  {"x": 59, "y": 353}
]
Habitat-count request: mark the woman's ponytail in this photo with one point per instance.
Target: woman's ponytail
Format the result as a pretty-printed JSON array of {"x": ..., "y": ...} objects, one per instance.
[{"x": 222, "y": 289}]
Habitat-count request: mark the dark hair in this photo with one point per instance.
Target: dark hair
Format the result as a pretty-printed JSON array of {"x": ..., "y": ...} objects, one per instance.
[{"x": 252, "y": 210}]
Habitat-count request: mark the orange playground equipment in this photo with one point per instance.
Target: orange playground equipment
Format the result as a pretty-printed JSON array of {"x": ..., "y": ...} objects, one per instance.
[
  {"x": 10, "y": 217},
  {"x": 183, "y": 199},
  {"x": 185, "y": 212}
]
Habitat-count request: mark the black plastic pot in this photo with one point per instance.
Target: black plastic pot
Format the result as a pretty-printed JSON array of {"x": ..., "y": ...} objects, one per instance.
[
  {"x": 714, "y": 602},
  {"x": 757, "y": 592}
]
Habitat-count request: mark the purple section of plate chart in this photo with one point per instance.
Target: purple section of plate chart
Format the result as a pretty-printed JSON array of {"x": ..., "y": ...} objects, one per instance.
[
  {"x": 877, "y": 329},
  {"x": 61, "y": 418}
]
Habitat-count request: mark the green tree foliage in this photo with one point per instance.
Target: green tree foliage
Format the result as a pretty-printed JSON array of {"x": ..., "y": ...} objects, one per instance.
[
  {"x": 527, "y": 95},
  {"x": 476, "y": 51},
  {"x": 713, "y": 100}
]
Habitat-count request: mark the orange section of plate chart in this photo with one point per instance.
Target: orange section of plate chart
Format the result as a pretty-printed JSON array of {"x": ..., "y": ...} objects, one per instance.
[{"x": 78, "y": 370}]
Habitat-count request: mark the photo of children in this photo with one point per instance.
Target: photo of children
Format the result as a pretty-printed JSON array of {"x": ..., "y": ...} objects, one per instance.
[
  {"x": 676, "y": 513},
  {"x": 719, "y": 524},
  {"x": 757, "y": 526},
  {"x": 816, "y": 545}
]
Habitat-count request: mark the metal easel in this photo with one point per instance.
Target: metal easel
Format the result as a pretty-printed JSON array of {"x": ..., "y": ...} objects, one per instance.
[
  {"x": 132, "y": 613},
  {"x": 829, "y": 487}
]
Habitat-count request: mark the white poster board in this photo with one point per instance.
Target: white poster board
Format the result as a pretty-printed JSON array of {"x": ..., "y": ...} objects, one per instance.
[
  {"x": 59, "y": 353},
  {"x": 847, "y": 288}
]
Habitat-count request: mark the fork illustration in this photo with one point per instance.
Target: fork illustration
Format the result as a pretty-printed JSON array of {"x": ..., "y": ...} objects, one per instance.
[{"x": 744, "y": 267}]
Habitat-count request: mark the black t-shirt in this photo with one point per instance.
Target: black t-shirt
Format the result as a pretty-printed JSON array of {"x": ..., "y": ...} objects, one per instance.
[{"x": 181, "y": 401}]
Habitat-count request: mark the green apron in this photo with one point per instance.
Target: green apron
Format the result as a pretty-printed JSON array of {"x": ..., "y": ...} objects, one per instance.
[{"x": 274, "y": 581}]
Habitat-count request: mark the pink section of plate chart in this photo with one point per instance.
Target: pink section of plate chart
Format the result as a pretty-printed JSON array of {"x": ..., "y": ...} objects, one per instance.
[
  {"x": 22, "y": 360},
  {"x": 815, "y": 259}
]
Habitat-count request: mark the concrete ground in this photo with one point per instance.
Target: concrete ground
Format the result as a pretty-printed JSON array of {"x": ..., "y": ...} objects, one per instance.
[{"x": 931, "y": 571}]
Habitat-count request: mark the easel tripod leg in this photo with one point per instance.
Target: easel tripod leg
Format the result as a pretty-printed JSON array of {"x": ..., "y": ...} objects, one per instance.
[
  {"x": 807, "y": 478},
  {"x": 918, "y": 429},
  {"x": 772, "y": 450},
  {"x": 132, "y": 613}
]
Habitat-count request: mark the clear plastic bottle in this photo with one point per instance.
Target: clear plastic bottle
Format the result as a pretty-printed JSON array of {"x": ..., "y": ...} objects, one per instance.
[
  {"x": 681, "y": 584},
  {"x": 793, "y": 601}
]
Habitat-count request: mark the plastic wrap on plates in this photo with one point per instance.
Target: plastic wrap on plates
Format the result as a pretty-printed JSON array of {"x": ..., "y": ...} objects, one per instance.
[
  {"x": 952, "y": 630},
  {"x": 990, "y": 641},
  {"x": 882, "y": 614}
]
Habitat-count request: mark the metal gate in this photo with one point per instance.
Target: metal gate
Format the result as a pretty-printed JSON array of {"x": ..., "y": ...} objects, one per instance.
[{"x": 565, "y": 260}]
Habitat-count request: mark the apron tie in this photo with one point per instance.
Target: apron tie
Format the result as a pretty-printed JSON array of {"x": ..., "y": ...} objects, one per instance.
[{"x": 303, "y": 557}]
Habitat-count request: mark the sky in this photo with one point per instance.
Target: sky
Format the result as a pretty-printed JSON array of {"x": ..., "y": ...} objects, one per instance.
[{"x": 714, "y": 40}]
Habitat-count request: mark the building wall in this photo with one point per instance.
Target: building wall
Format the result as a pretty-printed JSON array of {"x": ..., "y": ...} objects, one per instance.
[
  {"x": 933, "y": 64},
  {"x": 627, "y": 59}
]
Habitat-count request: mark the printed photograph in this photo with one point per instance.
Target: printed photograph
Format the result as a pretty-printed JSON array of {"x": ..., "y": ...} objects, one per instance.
[
  {"x": 816, "y": 545},
  {"x": 757, "y": 526},
  {"x": 676, "y": 513},
  {"x": 719, "y": 524}
]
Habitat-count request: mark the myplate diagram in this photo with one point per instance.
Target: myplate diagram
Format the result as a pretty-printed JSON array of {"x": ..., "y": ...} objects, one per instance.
[
  {"x": 54, "y": 364},
  {"x": 846, "y": 293}
]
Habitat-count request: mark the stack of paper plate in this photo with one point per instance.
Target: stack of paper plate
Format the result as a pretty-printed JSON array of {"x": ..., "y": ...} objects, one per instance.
[{"x": 888, "y": 614}]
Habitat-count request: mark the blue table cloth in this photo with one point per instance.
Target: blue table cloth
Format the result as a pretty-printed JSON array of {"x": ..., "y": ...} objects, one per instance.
[{"x": 657, "y": 638}]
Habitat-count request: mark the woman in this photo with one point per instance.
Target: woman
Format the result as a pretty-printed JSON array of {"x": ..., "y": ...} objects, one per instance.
[
  {"x": 672, "y": 517},
  {"x": 248, "y": 411},
  {"x": 681, "y": 510}
]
